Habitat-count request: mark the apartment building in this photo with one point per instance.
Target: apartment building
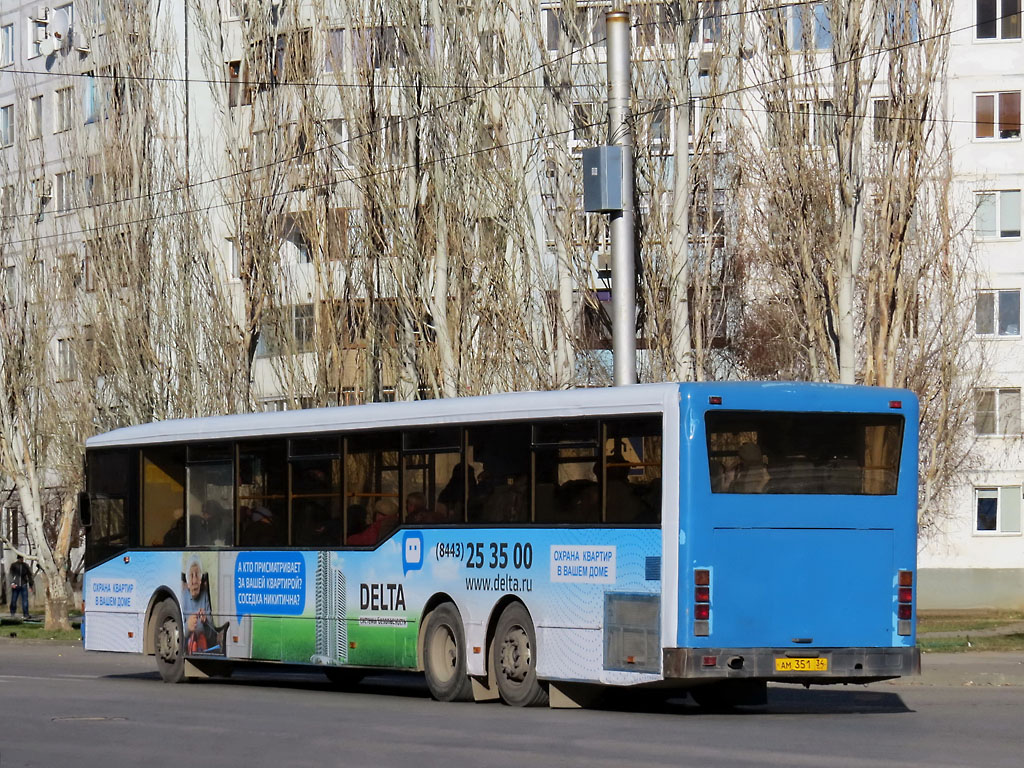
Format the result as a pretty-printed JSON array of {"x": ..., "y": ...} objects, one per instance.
[{"x": 320, "y": 146}]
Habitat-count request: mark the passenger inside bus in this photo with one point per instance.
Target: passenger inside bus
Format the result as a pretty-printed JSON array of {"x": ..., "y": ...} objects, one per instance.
[
  {"x": 385, "y": 520},
  {"x": 175, "y": 536},
  {"x": 751, "y": 475}
]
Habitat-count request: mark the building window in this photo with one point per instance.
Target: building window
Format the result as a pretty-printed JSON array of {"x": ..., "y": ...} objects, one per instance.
[
  {"x": 69, "y": 271},
  {"x": 7, "y": 201},
  {"x": 378, "y": 47},
  {"x": 334, "y": 50},
  {"x": 35, "y": 113},
  {"x": 810, "y": 28},
  {"x": 65, "y": 191},
  {"x": 90, "y": 104},
  {"x": 882, "y": 122},
  {"x": 997, "y": 214},
  {"x": 37, "y": 33},
  {"x": 234, "y": 257},
  {"x": 239, "y": 90},
  {"x": 997, "y": 510},
  {"x": 998, "y": 20},
  {"x": 7, "y": 125},
  {"x": 336, "y": 143},
  {"x": 492, "y": 55},
  {"x": 897, "y": 23},
  {"x": 587, "y": 121},
  {"x": 303, "y": 326},
  {"x": 998, "y": 313},
  {"x": 62, "y": 99},
  {"x": 997, "y": 115},
  {"x": 6, "y": 45},
  {"x": 997, "y": 411},
  {"x": 65, "y": 359}
]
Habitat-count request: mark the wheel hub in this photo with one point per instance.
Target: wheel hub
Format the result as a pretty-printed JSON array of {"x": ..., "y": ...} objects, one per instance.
[
  {"x": 444, "y": 653},
  {"x": 516, "y": 657},
  {"x": 168, "y": 641}
]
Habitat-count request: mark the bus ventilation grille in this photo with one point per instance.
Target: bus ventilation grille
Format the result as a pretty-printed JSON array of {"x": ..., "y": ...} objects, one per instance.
[{"x": 652, "y": 569}]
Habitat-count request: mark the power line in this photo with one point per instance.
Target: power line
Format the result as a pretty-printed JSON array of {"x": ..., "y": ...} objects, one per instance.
[
  {"x": 400, "y": 119},
  {"x": 430, "y": 163}
]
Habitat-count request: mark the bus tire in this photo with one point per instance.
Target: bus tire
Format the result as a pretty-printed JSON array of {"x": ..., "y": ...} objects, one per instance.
[
  {"x": 168, "y": 642},
  {"x": 514, "y": 659},
  {"x": 444, "y": 655}
]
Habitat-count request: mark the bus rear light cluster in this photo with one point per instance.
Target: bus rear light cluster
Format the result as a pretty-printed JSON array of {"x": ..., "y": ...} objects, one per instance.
[
  {"x": 904, "y": 602},
  {"x": 701, "y": 602}
]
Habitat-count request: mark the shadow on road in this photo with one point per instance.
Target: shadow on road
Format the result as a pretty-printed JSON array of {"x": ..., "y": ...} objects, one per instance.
[{"x": 782, "y": 699}]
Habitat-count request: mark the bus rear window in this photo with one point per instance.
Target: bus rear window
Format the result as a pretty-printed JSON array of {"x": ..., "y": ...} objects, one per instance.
[{"x": 804, "y": 453}]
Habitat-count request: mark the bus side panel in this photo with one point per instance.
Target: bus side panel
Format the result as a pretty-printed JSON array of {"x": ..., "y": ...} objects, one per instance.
[
  {"x": 363, "y": 607},
  {"x": 117, "y": 594}
]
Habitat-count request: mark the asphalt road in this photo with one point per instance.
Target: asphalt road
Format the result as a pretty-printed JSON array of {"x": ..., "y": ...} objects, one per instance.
[{"x": 63, "y": 707}]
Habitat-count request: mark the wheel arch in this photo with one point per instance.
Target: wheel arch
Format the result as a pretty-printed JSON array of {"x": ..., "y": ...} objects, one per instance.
[
  {"x": 438, "y": 598},
  {"x": 161, "y": 594}
]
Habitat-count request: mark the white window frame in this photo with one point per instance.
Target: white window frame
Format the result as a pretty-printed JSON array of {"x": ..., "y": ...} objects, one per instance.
[
  {"x": 234, "y": 258},
  {"x": 337, "y": 143},
  {"x": 63, "y": 111},
  {"x": 36, "y": 33},
  {"x": 7, "y": 125},
  {"x": 67, "y": 368},
  {"x": 997, "y": 294},
  {"x": 1005, "y": 408},
  {"x": 1002, "y": 20},
  {"x": 65, "y": 192},
  {"x": 994, "y": 95},
  {"x": 35, "y": 117},
  {"x": 1004, "y": 202},
  {"x": 1007, "y": 521},
  {"x": 6, "y": 45}
]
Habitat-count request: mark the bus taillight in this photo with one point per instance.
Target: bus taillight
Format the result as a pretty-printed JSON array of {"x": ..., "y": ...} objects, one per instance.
[
  {"x": 904, "y": 602},
  {"x": 702, "y": 602}
]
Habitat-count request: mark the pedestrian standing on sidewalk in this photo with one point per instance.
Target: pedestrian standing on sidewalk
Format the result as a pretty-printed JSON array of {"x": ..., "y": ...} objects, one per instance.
[{"x": 21, "y": 582}]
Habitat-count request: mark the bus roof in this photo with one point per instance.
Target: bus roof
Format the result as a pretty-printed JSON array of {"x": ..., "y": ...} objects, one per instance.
[{"x": 513, "y": 406}]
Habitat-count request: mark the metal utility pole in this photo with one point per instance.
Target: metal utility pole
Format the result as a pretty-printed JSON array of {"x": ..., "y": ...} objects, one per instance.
[{"x": 621, "y": 222}]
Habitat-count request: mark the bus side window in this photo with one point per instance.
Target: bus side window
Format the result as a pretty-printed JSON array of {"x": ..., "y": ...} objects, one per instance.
[
  {"x": 498, "y": 458},
  {"x": 566, "y": 466},
  {"x": 210, "y": 500},
  {"x": 434, "y": 477},
  {"x": 163, "y": 497},
  {"x": 262, "y": 494},
  {"x": 109, "y": 474},
  {"x": 371, "y": 487},
  {"x": 632, "y": 461}
]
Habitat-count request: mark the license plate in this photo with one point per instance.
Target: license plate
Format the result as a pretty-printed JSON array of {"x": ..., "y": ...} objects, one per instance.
[{"x": 801, "y": 665}]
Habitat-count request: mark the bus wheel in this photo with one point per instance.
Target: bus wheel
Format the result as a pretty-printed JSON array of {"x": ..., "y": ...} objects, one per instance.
[
  {"x": 167, "y": 642},
  {"x": 514, "y": 659},
  {"x": 444, "y": 655}
]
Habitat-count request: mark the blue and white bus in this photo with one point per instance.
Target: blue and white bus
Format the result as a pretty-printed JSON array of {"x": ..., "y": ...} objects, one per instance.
[{"x": 706, "y": 536}]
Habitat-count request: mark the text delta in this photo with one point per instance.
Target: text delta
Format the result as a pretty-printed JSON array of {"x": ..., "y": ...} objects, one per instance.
[{"x": 381, "y": 597}]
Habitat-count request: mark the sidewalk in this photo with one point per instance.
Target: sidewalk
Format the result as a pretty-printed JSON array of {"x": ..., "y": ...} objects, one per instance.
[{"x": 995, "y": 668}]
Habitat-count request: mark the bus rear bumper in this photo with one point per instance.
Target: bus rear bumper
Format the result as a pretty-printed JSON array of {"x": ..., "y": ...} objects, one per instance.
[{"x": 820, "y": 666}]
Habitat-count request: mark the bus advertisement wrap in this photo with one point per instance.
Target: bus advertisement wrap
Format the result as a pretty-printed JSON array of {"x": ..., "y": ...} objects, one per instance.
[{"x": 364, "y": 607}]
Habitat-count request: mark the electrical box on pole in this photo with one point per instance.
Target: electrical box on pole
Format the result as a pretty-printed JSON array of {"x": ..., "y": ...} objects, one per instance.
[{"x": 602, "y": 179}]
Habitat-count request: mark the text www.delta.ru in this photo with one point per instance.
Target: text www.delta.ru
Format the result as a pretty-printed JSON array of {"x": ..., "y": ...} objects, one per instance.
[{"x": 503, "y": 583}]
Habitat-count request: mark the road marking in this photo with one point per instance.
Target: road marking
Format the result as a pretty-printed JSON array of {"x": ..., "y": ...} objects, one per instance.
[{"x": 51, "y": 677}]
